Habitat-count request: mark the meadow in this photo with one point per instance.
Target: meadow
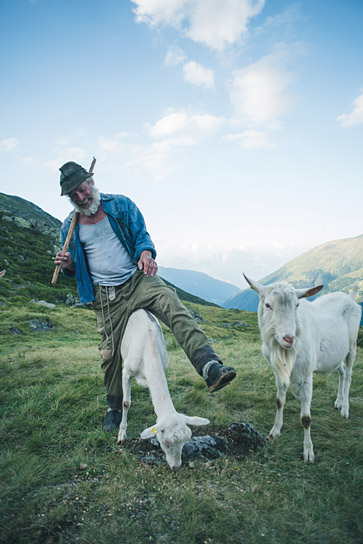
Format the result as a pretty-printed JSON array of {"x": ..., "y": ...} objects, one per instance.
[{"x": 63, "y": 480}]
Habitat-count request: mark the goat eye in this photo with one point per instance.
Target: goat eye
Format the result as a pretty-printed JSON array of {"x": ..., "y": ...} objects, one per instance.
[{"x": 267, "y": 305}]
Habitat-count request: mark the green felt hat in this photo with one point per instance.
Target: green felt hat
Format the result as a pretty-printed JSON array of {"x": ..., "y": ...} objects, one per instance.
[{"x": 72, "y": 175}]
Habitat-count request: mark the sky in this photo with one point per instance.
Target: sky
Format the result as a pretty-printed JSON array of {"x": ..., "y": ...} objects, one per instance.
[{"x": 236, "y": 126}]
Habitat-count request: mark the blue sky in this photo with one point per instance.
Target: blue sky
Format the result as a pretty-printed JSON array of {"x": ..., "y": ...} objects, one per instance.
[{"x": 235, "y": 125}]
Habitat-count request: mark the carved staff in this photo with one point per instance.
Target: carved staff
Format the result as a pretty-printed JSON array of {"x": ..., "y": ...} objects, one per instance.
[{"x": 70, "y": 232}]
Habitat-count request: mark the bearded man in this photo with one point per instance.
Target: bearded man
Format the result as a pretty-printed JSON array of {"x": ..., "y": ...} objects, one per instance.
[{"x": 112, "y": 257}]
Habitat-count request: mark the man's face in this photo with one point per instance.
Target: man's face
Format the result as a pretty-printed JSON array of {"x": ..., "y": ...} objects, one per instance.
[
  {"x": 86, "y": 198},
  {"x": 82, "y": 195}
]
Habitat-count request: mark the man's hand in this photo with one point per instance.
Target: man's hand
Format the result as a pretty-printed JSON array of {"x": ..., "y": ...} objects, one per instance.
[
  {"x": 65, "y": 260},
  {"x": 147, "y": 263}
]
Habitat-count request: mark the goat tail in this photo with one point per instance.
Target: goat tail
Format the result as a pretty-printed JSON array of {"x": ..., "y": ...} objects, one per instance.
[{"x": 354, "y": 290}]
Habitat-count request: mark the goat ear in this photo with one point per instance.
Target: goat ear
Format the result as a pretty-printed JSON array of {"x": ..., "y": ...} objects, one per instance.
[
  {"x": 195, "y": 421},
  {"x": 150, "y": 432},
  {"x": 255, "y": 285},
  {"x": 309, "y": 292}
]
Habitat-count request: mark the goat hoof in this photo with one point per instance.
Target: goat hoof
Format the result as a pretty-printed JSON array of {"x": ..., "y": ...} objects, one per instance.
[{"x": 309, "y": 457}]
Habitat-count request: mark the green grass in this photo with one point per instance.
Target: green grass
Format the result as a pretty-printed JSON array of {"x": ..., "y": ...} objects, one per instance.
[{"x": 65, "y": 481}]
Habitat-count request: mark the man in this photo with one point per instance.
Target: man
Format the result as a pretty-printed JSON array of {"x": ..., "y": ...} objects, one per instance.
[{"x": 112, "y": 258}]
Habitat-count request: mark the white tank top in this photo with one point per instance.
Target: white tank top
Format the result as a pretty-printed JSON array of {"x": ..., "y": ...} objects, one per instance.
[{"x": 108, "y": 261}]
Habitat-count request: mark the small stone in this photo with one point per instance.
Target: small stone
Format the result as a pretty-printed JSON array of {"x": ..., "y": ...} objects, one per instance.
[
  {"x": 40, "y": 326},
  {"x": 43, "y": 303},
  {"x": 14, "y": 330}
]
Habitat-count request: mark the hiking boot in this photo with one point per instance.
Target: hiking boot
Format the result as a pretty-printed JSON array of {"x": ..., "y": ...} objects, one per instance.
[
  {"x": 112, "y": 420},
  {"x": 218, "y": 375}
]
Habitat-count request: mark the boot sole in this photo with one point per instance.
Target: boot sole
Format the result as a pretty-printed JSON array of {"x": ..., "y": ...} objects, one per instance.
[{"x": 223, "y": 380}]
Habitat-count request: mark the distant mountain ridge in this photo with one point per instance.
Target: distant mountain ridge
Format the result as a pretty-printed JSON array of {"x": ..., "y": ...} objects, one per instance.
[
  {"x": 29, "y": 239},
  {"x": 336, "y": 264},
  {"x": 199, "y": 284}
]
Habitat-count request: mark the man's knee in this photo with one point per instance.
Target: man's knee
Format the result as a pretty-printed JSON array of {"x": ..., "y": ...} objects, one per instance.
[{"x": 106, "y": 356}]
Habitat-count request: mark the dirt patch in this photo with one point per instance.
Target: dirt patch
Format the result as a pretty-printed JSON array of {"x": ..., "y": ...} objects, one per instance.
[{"x": 238, "y": 440}]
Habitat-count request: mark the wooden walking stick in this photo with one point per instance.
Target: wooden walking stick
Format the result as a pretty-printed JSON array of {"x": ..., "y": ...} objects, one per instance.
[{"x": 70, "y": 232}]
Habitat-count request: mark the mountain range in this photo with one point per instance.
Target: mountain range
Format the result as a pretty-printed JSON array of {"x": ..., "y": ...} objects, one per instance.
[
  {"x": 30, "y": 237},
  {"x": 337, "y": 265},
  {"x": 199, "y": 284}
]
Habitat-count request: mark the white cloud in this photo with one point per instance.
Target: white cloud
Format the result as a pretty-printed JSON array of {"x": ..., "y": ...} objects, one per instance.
[
  {"x": 166, "y": 12},
  {"x": 195, "y": 74},
  {"x": 173, "y": 133},
  {"x": 174, "y": 56},
  {"x": 258, "y": 92},
  {"x": 355, "y": 117},
  {"x": 76, "y": 154},
  {"x": 253, "y": 139},
  {"x": 213, "y": 23},
  {"x": 185, "y": 128},
  {"x": 219, "y": 24},
  {"x": 9, "y": 144},
  {"x": 156, "y": 159},
  {"x": 28, "y": 160},
  {"x": 112, "y": 145}
]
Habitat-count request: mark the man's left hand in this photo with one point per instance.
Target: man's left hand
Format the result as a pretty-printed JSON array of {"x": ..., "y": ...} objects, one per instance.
[{"x": 147, "y": 263}]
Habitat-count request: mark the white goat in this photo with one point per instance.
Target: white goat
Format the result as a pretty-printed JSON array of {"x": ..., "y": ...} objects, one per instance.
[
  {"x": 145, "y": 358},
  {"x": 302, "y": 337}
]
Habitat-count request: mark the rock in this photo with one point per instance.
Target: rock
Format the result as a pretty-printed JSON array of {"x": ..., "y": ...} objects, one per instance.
[
  {"x": 243, "y": 439},
  {"x": 148, "y": 459},
  {"x": 239, "y": 440},
  {"x": 19, "y": 221},
  {"x": 43, "y": 303},
  {"x": 205, "y": 447},
  {"x": 83, "y": 305},
  {"x": 198, "y": 318},
  {"x": 40, "y": 326},
  {"x": 236, "y": 324},
  {"x": 70, "y": 300},
  {"x": 27, "y": 215},
  {"x": 14, "y": 330}
]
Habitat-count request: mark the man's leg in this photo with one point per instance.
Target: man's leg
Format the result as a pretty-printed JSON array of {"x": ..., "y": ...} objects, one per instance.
[
  {"x": 110, "y": 323},
  {"x": 153, "y": 294}
]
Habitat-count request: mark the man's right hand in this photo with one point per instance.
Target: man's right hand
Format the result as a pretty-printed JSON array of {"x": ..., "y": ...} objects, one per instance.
[{"x": 64, "y": 259}]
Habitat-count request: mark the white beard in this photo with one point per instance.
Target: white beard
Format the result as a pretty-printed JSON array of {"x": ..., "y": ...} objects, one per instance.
[{"x": 96, "y": 199}]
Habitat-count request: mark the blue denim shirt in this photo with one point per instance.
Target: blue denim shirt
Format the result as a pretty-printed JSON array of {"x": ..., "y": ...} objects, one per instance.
[{"x": 128, "y": 224}]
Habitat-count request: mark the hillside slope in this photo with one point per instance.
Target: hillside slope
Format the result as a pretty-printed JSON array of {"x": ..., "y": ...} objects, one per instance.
[
  {"x": 26, "y": 214},
  {"x": 29, "y": 239},
  {"x": 336, "y": 265}
]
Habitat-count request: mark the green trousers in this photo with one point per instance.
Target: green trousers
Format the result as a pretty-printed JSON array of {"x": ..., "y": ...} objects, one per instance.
[{"x": 114, "y": 305}]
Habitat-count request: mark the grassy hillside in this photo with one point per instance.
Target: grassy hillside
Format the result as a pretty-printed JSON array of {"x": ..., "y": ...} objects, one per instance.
[
  {"x": 65, "y": 481},
  {"x": 337, "y": 265},
  {"x": 38, "y": 219},
  {"x": 27, "y": 254}
]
